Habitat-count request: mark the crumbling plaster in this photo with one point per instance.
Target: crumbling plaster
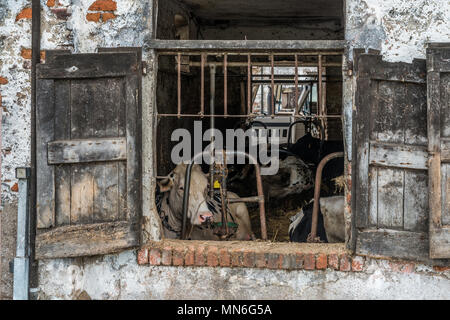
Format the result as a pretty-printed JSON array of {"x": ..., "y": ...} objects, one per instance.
[
  {"x": 118, "y": 277},
  {"x": 399, "y": 28}
]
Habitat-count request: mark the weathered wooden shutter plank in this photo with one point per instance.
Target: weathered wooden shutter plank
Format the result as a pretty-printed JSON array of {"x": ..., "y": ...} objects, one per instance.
[
  {"x": 438, "y": 65},
  {"x": 75, "y": 241},
  {"x": 407, "y": 156},
  {"x": 133, "y": 170},
  {"x": 88, "y": 150},
  {"x": 416, "y": 207},
  {"x": 95, "y": 65},
  {"x": 362, "y": 153},
  {"x": 392, "y": 243},
  {"x": 391, "y": 161},
  {"x": 45, "y": 187},
  {"x": 63, "y": 173},
  {"x": 94, "y": 154}
]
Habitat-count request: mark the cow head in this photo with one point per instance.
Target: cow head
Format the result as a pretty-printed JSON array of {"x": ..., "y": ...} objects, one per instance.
[{"x": 198, "y": 212}]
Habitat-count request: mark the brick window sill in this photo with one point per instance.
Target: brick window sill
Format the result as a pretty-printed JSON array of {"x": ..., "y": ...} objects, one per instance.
[{"x": 284, "y": 256}]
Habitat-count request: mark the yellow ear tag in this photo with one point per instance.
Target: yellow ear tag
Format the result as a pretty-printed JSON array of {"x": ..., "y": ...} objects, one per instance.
[{"x": 216, "y": 184}]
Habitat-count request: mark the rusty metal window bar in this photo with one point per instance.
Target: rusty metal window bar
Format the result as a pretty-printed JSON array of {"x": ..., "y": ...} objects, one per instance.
[{"x": 297, "y": 61}]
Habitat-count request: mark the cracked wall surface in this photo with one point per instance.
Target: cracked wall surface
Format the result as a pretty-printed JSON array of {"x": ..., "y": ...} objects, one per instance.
[
  {"x": 122, "y": 279},
  {"x": 399, "y": 28}
]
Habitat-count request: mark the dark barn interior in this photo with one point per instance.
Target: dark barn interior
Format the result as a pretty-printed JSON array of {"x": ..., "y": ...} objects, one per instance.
[{"x": 270, "y": 71}]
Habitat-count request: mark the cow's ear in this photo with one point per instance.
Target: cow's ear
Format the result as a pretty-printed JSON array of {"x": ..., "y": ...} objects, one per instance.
[{"x": 165, "y": 185}]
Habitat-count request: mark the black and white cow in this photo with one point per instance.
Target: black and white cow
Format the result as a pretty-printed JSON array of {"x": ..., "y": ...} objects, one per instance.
[
  {"x": 310, "y": 151},
  {"x": 330, "y": 223}
]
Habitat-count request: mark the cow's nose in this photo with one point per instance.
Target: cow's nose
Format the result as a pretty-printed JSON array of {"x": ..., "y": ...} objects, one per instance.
[{"x": 205, "y": 217}]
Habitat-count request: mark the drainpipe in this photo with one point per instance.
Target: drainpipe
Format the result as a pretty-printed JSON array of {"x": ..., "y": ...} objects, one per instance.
[
  {"x": 22, "y": 259},
  {"x": 35, "y": 59}
]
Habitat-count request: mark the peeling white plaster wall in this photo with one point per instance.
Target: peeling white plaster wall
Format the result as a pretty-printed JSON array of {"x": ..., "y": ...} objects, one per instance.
[
  {"x": 15, "y": 94},
  {"x": 399, "y": 28},
  {"x": 118, "y": 277},
  {"x": 130, "y": 28}
]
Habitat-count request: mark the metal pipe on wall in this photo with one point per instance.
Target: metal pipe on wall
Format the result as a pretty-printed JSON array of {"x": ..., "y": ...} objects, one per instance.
[
  {"x": 35, "y": 59},
  {"x": 22, "y": 259}
]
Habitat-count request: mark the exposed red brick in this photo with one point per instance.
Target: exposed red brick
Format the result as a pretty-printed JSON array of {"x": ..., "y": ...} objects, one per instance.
[
  {"x": 358, "y": 263},
  {"x": 155, "y": 257},
  {"x": 406, "y": 267},
  {"x": 288, "y": 262},
  {"x": 299, "y": 260},
  {"x": 260, "y": 260},
  {"x": 142, "y": 256},
  {"x": 249, "y": 259},
  {"x": 103, "y": 5},
  {"x": 200, "y": 256},
  {"x": 178, "y": 257},
  {"x": 166, "y": 256},
  {"x": 27, "y": 54},
  {"x": 107, "y": 16},
  {"x": 95, "y": 17},
  {"x": 212, "y": 259},
  {"x": 15, "y": 187},
  {"x": 321, "y": 261},
  {"x": 50, "y": 3},
  {"x": 441, "y": 269},
  {"x": 24, "y": 14},
  {"x": 225, "y": 259},
  {"x": 345, "y": 263},
  {"x": 237, "y": 258},
  {"x": 333, "y": 261},
  {"x": 189, "y": 258},
  {"x": 274, "y": 260},
  {"x": 61, "y": 13},
  {"x": 3, "y": 80},
  {"x": 309, "y": 262}
]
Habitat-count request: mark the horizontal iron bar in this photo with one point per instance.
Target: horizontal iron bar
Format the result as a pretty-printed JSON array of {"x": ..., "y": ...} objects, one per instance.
[
  {"x": 247, "y": 199},
  {"x": 264, "y": 45},
  {"x": 162, "y": 115},
  {"x": 268, "y": 64}
]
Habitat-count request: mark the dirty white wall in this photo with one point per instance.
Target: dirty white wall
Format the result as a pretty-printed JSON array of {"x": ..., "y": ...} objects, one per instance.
[
  {"x": 118, "y": 277},
  {"x": 399, "y": 28}
]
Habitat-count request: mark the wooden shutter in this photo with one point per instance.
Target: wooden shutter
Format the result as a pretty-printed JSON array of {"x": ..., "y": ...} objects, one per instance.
[
  {"x": 88, "y": 163},
  {"x": 390, "y": 172},
  {"x": 438, "y": 65}
]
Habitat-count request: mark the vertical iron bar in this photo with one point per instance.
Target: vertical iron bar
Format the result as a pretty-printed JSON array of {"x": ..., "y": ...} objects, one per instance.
[
  {"x": 212, "y": 69},
  {"x": 202, "y": 93},
  {"x": 296, "y": 83},
  {"x": 319, "y": 86},
  {"x": 272, "y": 84},
  {"x": 179, "y": 85},
  {"x": 249, "y": 85},
  {"x": 225, "y": 85}
]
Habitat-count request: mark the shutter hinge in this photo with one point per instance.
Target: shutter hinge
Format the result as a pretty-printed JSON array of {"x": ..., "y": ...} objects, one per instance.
[{"x": 144, "y": 68}]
